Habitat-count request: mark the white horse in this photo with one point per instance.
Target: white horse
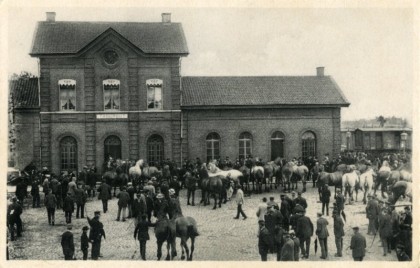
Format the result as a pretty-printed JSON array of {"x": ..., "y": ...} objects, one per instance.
[
  {"x": 258, "y": 176},
  {"x": 349, "y": 182},
  {"x": 367, "y": 183},
  {"x": 302, "y": 172},
  {"x": 135, "y": 171},
  {"x": 214, "y": 171}
]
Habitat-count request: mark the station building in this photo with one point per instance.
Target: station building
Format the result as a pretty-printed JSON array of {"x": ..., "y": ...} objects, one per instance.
[{"x": 115, "y": 89}]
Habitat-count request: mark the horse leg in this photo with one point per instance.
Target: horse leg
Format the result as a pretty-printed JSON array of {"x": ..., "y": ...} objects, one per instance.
[
  {"x": 159, "y": 249},
  {"x": 221, "y": 197},
  {"x": 215, "y": 200},
  {"x": 168, "y": 249},
  {"x": 185, "y": 245},
  {"x": 173, "y": 248},
  {"x": 182, "y": 248},
  {"x": 304, "y": 183},
  {"x": 192, "y": 247}
]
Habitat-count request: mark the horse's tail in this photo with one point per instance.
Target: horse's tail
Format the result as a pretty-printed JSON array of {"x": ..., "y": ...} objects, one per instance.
[{"x": 192, "y": 230}]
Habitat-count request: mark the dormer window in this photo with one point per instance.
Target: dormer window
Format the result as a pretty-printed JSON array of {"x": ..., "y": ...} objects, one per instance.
[
  {"x": 154, "y": 94},
  {"x": 67, "y": 88},
  {"x": 111, "y": 94}
]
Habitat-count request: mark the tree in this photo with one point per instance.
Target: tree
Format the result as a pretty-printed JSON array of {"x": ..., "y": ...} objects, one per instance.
[{"x": 381, "y": 120}]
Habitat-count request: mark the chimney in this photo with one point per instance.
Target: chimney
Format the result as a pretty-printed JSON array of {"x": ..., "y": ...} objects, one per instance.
[
  {"x": 319, "y": 71},
  {"x": 166, "y": 17},
  {"x": 51, "y": 16}
]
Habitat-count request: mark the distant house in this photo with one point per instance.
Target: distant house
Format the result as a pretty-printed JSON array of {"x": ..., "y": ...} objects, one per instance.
[{"x": 376, "y": 140}]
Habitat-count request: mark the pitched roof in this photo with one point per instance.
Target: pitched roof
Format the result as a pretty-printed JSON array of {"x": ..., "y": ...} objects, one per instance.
[
  {"x": 71, "y": 37},
  {"x": 261, "y": 90},
  {"x": 24, "y": 92}
]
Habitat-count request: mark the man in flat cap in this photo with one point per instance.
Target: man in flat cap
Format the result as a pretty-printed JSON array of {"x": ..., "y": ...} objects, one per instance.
[
  {"x": 358, "y": 245},
  {"x": 264, "y": 240},
  {"x": 96, "y": 233},
  {"x": 372, "y": 213},
  {"x": 322, "y": 233},
  {"x": 67, "y": 243},
  {"x": 338, "y": 233},
  {"x": 84, "y": 242}
]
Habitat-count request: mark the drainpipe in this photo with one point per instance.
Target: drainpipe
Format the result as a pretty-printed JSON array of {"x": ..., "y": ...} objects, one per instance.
[
  {"x": 39, "y": 117},
  {"x": 180, "y": 104}
]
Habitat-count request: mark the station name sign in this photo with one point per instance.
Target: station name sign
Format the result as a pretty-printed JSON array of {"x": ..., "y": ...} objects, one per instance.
[{"x": 111, "y": 116}]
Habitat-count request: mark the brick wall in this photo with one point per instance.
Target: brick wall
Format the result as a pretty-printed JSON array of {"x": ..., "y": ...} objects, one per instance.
[{"x": 27, "y": 138}]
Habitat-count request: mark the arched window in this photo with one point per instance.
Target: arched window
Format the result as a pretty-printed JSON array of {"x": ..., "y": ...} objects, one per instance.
[
  {"x": 155, "y": 149},
  {"x": 68, "y": 153},
  {"x": 245, "y": 145},
  {"x": 277, "y": 145},
  {"x": 112, "y": 146},
  {"x": 213, "y": 146},
  {"x": 308, "y": 144}
]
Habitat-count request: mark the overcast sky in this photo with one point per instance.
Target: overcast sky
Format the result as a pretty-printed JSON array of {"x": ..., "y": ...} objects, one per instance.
[{"x": 369, "y": 52}]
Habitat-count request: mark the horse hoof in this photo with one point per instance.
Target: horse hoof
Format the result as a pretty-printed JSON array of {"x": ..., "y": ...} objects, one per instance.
[
  {"x": 182, "y": 257},
  {"x": 214, "y": 208}
]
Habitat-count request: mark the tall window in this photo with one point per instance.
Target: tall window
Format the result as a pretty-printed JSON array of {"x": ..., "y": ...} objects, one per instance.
[
  {"x": 245, "y": 145},
  {"x": 112, "y": 147},
  {"x": 111, "y": 94},
  {"x": 67, "y": 88},
  {"x": 277, "y": 145},
  {"x": 155, "y": 149},
  {"x": 358, "y": 139},
  {"x": 213, "y": 146},
  {"x": 379, "y": 140},
  {"x": 68, "y": 153},
  {"x": 397, "y": 140},
  {"x": 154, "y": 94},
  {"x": 308, "y": 144}
]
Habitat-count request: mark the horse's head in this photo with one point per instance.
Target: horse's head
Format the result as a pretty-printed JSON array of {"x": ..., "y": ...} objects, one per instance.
[{"x": 140, "y": 163}]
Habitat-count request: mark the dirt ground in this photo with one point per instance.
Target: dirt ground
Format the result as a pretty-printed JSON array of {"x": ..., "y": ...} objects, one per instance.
[{"x": 222, "y": 238}]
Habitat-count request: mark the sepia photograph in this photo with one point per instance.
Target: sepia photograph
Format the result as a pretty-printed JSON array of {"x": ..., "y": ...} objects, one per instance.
[{"x": 209, "y": 134}]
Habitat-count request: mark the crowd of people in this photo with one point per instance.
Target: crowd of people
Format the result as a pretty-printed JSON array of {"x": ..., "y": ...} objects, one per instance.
[{"x": 284, "y": 227}]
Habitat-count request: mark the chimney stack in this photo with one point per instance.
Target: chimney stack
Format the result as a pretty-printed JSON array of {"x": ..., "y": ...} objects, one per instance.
[
  {"x": 319, "y": 71},
  {"x": 51, "y": 16},
  {"x": 166, "y": 17}
]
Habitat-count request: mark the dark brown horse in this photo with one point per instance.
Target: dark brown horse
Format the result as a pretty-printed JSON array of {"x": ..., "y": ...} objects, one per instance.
[
  {"x": 165, "y": 232},
  {"x": 215, "y": 188},
  {"x": 186, "y": 228}
]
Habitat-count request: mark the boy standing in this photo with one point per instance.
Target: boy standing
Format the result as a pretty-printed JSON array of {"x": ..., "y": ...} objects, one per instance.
[{"x": 84, "y": 242}]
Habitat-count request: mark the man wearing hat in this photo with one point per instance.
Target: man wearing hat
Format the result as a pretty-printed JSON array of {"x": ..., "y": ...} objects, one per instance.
[
  {"x": 80, "y": 197},
  {"x": 297, "y": 245},
  {"x": 123, "y": 199},
  {"x": 264, "y": 240},
  {"x": 14, "y": 211},
  {"x": 190, "y": 183},
  {"x": 96, "y": 233},
  {"x": 385, "y": 230},
  {"x": 50, "y": 202},
  {"x": 149, "y": 187},
  {"x": 262, "y": 209},
  {"x": 322, "y": 233},
  {"x": 131, "y": 192},
  {"x": 161, "y": 207},
  {"x": 104, "y": 194},
  {"x": 174, "y": 205},
  {"x": 272, "y": 202},
  {"x": 67, "y": 243},
  {"x": 372, "y": 213},
  {"x": 141, "y": 232},
  {"x": 304, "y": 231},
  {"x": 72, "y": 187},
  {"x": 285, "y": 211},
  {"x": 339, "y": 201},
  {"x": 84, "y": 242},
  {"x": 288, "y": 249},
  {"x": 139, "y": 206},
  {"x": 358, "y": 245},
  {"x": 301, "y": 200},
  {"x": 325, "y": 199},
  {"x": 68, "y": 207},
  {"x": 338, "y": 233},
  {"x": 240, "y": 201},
  {"x": 401, "y": 254}
]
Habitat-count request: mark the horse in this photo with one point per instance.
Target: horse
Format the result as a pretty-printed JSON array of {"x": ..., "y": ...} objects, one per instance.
[
  {"x": 165, "y": 232},
  {"x": 135, "y": 172},
  {"x": 216, "y": 188},
  {"x": 186, "y": 228},
  {"x": 204, "y": 186},
  {"x": 384, "y": 175},
  {"x": 287, "y": 172},
  {"x": 120, "y": 180},
  {"x": 401, "y": 188},
  {"x": 244, "y": 180},
  {"x": 332, "y": 179},
  {"x": 367, "y": 183},
  {"x": 272, "y": 170},
  {"x": 258, "y": 174},
  {"x": 151, "y": 171},
  {"x": 299, "y": 172},
  {"x": 234, "y": 174},
  {"x": 350, "y": 180},
  {"x": 110, "y": 177}
]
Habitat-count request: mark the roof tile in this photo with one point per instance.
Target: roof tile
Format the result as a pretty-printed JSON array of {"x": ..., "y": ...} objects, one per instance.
[{"x": 25, "y": 93}]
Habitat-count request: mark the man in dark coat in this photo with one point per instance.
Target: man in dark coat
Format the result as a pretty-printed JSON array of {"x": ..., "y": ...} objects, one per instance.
[
  {"x": 21, "y": 190},
  {"x": 131, "y": 192},
  {"x": 288, "y": 250},
  {"x": 339, "y": 200},
  {"x": 301, "y": 201},
  {"x": 68, "y": 207},
  {"x": 175, "y": 209},
  {"x": 36, "y": 199},
  {"x": 278, "y": 240},
  {"x": 104, "y": 194},
  {"x": 80, "y": 197},
  {"x": 322, "y": 233},
  {"x": 325, "y": 199},
  {"x": 190, "y": 183},
  {"x": 123, "y": 199},
  {"x": 372, "y": 213},
  {"x": 50, "y": 203},
  {"x": 142, "y": 234},
  {"x": 338, "y": 233},
  {"x": 96, "y": 233},
  {"x": 264, "y": 241},
  {"x": 297, "y": 245},
  {"x": 385, "y": 230},
  {"x": 91, "y": 183},
  {"x": 67, "y": 243},
  {"x": 401, "y": 255},
  {"x": 174, "y": 184},
  {"x": 14, "y": 211},
  {"x": 285, "y": 211},
  {"x": 84, "y": 242},
  {"x": 304, "y": 231},
  {"x": 150, "y": 205},
  {"x": 358, "y": 245}
]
